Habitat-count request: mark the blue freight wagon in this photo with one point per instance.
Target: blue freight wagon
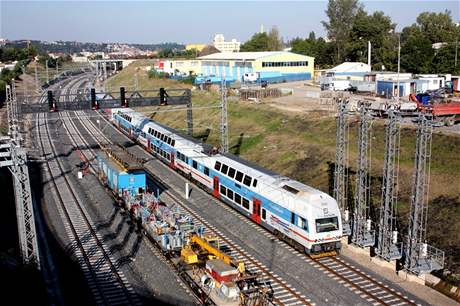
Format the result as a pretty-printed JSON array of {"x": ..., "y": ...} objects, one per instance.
[{"x": 120, "y": 175}]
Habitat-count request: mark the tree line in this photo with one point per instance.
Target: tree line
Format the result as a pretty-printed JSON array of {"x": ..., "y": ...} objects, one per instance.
[{"x": 430, "y": 45}]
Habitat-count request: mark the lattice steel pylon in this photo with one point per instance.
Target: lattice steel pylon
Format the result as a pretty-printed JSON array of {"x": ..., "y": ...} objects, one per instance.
[
  {"x": 340, "y": 169},
  {"x": 362, "y": 234},
  {"x": 419, "y": 257},
  {"x": 15, "y": 158},
  {"x": 224, "y": 118},
  {"x": 387, "y": 246}
]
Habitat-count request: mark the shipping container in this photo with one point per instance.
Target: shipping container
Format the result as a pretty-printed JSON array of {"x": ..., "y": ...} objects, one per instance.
[{"x": 119, "y": 178}]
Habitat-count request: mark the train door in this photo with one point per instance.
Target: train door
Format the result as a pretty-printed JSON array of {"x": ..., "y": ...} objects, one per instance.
[
  {"x": 171, "y": 164},
  {"x": 148, "y": 144},
  {"x": 215, "y": 191},
  {"x": 256, "y": 206}
]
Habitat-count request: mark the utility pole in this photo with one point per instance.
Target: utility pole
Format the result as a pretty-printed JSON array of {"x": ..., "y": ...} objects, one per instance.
[
  {"x": 369, "y": 52},
  {"x": 36, "y": 79},
  {"x": 15, "y": 158},
  {"x": 224, "y": 118},
  {"x": 387, "y": 244},
  {"x": 456, "y": 52},
  {"x": 341, "y": 165},
  {"x": 419, "y": 256},
  {"x": 399, "y": 63},
  {"x": 47, "y": 75},
  {"x": 362, "y": 234}
]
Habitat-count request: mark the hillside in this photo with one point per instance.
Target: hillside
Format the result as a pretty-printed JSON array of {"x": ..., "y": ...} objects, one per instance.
[{"x": 302, "y": 146}]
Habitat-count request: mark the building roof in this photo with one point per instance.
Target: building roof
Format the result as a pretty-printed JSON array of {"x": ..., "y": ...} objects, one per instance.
[
  {"x": 245, "y": 56},
  {"x": 351, "y": 67}
]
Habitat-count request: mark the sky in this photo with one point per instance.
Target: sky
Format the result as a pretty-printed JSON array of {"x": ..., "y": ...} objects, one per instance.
[{"x": 185, "y": 21}]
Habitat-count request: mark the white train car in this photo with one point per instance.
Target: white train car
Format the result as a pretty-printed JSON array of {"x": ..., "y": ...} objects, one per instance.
[{"x": 300, "y": 214}]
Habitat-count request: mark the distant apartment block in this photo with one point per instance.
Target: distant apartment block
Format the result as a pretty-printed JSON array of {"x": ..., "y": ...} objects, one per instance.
[{"x": 225, "y": 46}]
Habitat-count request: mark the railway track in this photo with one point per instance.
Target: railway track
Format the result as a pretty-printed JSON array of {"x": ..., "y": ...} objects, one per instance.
[
  {"x": 284, "y": 294},
  {"x": 361, "y": 283},
  {"x": 106, "y": 282}
]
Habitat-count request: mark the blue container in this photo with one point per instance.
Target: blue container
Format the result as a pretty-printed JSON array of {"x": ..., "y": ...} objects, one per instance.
[{"x": 120, "y": 180}]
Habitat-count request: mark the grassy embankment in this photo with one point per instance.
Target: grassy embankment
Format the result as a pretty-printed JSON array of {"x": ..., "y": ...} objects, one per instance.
[{"x": 303, "y": 147}]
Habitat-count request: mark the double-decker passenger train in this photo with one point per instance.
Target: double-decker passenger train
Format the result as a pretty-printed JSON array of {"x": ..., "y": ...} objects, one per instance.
[{"x": 304, "y": 216}]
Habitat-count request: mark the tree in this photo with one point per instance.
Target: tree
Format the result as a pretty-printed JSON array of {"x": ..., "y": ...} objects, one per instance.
[
  {"x": 341, "y": 14},
  {"x": 438, "y": 27},
  {"x": 416, "y": 52},
  {"x": 258, "y": 42},
  {"x": 376, "y": 28},
  {"x": 274, "y": 42},
  {"x": 322, "y": 51}
]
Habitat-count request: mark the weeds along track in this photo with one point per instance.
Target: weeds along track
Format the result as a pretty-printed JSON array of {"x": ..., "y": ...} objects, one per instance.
[
  {"x": 106, "y": 282},
  {"x": 284, "y": 294}
]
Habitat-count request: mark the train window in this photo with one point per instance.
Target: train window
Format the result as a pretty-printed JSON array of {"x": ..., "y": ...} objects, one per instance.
[
  {"x": 168, "y": 140},
  {"x": 247, "y": 180},
  {"x": 302, "y": 223},
  {"x": 162, "y": 137},
  {"x": 206, "y": 171},
  {"x": 217, "y": 166},
  {"x": 230, "y": 194},
  {"x": 173, "y": 142},
  {"x": 246, "y": 203},
  {"x": 254, "y": 183},
  {"x": 264, "y": 214},
  {"x": 327, "y": 224},
  {"x": 178, "y": 154},
  {"x": 231, "y": 172},
  {"x": 224, "y": 169},
  {"x": 292, "y": 218},
  {"x": 167, "y": 156},
  {"x": 239, "y": 176},
  {"x": 223, "y": 190},
  {"x": 195, "y": 164},
  {"x": 238, "y": 198}
]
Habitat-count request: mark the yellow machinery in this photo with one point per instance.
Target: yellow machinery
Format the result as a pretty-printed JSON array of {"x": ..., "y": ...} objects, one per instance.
[{"x": 190, "y": 257}]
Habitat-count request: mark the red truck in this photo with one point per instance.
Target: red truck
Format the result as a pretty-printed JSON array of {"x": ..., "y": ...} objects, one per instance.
[{"x": 443, "y": 112}]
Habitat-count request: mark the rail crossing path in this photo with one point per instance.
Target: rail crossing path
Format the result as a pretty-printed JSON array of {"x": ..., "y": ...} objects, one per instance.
[
  {"x": 118, "y": 265},
  {"x": 342, "y": 283}
]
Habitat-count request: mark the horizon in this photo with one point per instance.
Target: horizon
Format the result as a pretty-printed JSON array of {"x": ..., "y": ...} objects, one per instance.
[{"x": 99, "y": 21}]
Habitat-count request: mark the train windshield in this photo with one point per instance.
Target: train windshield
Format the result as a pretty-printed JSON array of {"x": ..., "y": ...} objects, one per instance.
[{"x": 327, "y": 224}]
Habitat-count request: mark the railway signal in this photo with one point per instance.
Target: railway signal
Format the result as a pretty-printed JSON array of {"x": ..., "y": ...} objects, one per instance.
[
  {"x": 51, "y": 102},
  {"x": 124, "y": 102},
  {"x": 94, "y": 104}
]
